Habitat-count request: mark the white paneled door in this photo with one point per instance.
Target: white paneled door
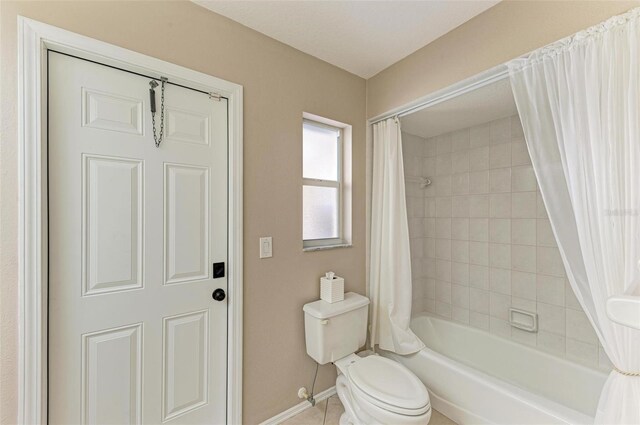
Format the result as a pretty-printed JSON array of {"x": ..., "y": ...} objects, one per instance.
[{"x": 135, "y": 335}]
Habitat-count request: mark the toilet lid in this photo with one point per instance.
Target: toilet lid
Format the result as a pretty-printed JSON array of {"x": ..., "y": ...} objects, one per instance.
[{"x": 389, "y": 382}]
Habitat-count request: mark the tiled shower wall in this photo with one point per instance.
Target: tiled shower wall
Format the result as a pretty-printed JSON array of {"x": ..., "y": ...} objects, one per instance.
[{"x": 481, "y": 241}]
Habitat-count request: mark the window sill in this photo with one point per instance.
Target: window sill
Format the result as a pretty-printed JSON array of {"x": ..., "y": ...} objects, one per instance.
[{"x": 325, "y": 247}]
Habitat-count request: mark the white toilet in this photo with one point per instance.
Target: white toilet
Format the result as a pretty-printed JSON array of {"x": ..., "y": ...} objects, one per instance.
[{"x": 373, "y": 389}]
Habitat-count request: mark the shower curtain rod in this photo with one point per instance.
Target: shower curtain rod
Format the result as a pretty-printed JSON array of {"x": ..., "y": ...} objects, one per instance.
[{"x": 467, "y": 85}]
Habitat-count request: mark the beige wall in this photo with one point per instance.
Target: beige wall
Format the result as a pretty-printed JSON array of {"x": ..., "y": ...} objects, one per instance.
[
  {"x": 279, "y": 84},
  {"x": 504, "y": 32}
]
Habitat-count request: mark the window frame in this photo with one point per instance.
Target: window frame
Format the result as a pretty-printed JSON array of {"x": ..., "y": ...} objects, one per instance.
[{"x": 310, "y": 244}]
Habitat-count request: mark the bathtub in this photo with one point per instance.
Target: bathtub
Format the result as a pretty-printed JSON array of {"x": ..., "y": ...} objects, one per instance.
[{"x": 475, "y": 377}]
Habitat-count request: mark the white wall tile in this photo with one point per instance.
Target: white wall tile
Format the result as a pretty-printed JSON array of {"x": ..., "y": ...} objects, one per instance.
[
  {"x": 500, "y": 255},
  {"x": 479, "y": 320},
  {"x": 579, "y": 327},
  {"x": 443, "y": 206},
  {"x": 500, "y": 281},
  {"x": 430, "y": 306},
  {"x": 499, "y": 305},
  {"x": 551, "y": 342},
  {"x": 460, "y": 296},
  {"x": 430, "y": 288},
  {"x": 415, "y": 206},
  {"x": 603, "y": 360},
  {"x": 429, "y": 227},
  {"x": 443, "y": 228},
  {"x": 479, "y": 136},
  {"x": 443, "y": 309},
  {"x": 412, "y": 189},
  {"x": 416, "y": 247},
  {"x": 500, "y": 205},
  {"x": 501, "y": 131},
  {"x": 460, "y": 273},
  {"x": 413, "y": 166},
  {"x": 516, "y": 128},
  {"x": 524, "y": 337},
  {"x": 460, "y": 140},
  {"x": 460, "y": 206},
  {"x": 550, "y": 290},
  {"x": 418, "y": 288},
  {"x": 443, "y": 291},
  {"x": 544, "y": 233},
  {"x": 428, "y": 267},
  {"x": 523, "y": 258},
  {"x": 551, "y": 318},
  {"x": 430, "y": 207},
  {"x": 500, "y": 180},
  {"x": 523, "y": 285},
  {"x": 443, "y": 249},
  {"x": 412, "y": 145},
  {"x": 479, "y": 276},
  {"x": 460, "y": 251},
  {"x": 481, "y": 240},
  {"x": 500, "y": 156},
  {"x": 524, "y": 304},
  {"x": 523, "y": 179},
  {"x": 582, "y": 352},
  {"x": 443, "y": 270},
  {"x": 460, "y": 228},
  {"x": 541, "y": 209},
  {"x": 460, "y": 184},
  {"x": 479, "y": 229},
  {"x": 428, "y": 166},
  {"x": 570, "y": 299},
  {"x": 499, "y": 327},
  {"x": 478, "y": 206},
  {"x": 500, "y": 230},
  {"x": 442, "y": 185},
  {"x": 479, "y": 159},
  {"x": 523, "y": 205},
  {"x": 479, "y": 181},
  {"x": 523, "y": 231},
  {"x": 460, "y": 314},
  {"x": 443, "y": 143},
  {"x": 430, "y": 147},
  {"x": 550, "y": 262},
  {"x": 479, "y": 253},
  {"x": 460, "y": 162},
  {"x": 519, "y": 154},
  {"x": 479, "y": 300},
  {"x": 416, "y": 227},
  {"x": 443, "y": 164}
]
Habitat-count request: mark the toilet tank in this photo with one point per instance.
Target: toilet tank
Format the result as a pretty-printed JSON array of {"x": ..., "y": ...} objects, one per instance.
[{"x": 335, "y": 330}]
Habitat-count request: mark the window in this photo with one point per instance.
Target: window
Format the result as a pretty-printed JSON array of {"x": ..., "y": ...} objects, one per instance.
[{"x": 323, "y": 185}]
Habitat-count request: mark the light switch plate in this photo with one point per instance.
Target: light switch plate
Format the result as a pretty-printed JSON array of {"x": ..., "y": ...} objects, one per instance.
[{"x": 266, "y": 247}]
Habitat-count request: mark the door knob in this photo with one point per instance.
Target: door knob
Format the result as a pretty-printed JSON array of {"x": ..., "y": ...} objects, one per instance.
[{"x": 218, "y": 294}]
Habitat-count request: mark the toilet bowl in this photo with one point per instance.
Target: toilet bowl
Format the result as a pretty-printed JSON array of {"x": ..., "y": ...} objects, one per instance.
[{"x": 376, "y": 390}]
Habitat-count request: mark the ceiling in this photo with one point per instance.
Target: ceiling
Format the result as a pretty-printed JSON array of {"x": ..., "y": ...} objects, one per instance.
[
  {"x": 363, "y": 37},
  {"x": 479, "y": 106}
]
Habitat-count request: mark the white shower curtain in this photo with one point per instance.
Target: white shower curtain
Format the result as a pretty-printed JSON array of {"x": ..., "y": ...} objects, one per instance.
[
  {"x": 579, "y": 103},
  {"x": 390, "y": 261}
]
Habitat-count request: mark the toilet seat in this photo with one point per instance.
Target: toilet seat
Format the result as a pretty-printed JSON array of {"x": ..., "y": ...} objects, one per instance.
[{"x": 388, "y": 385}]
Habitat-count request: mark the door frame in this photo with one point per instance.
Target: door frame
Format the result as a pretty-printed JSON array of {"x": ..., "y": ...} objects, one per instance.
[{"x": 34, "y": 39}]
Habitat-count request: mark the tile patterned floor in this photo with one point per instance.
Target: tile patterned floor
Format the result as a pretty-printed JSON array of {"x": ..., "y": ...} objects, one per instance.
[{"x": 328, "y": 412}]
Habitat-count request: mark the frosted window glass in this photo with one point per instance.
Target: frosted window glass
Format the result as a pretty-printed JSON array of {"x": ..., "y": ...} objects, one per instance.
[
  {"x": 320, "y": 152},
  {"x": 320, "y": 212}
]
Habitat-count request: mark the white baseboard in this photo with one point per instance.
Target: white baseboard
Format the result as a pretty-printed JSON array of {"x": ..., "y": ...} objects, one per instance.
[{"x": 289, "y": 413}]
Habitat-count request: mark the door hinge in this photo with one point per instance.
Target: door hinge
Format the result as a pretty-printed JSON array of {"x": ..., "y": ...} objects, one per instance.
[{"x": 215, "y": 96}]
